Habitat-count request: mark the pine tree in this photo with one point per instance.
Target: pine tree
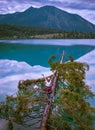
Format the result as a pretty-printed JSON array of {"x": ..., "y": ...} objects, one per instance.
[{"x": 73, "y": 109}]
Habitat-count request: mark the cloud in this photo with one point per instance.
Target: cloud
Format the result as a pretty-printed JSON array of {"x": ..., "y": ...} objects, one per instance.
[
  {"x": 80, "y": 5},
  {"x": 11, "y": 6},
  {"x": 84, "y": 8},
  {"x": 75, "y": 4}
]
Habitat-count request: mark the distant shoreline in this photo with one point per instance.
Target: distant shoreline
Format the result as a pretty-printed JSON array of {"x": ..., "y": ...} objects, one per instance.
[{"x": 26, "y": 32}]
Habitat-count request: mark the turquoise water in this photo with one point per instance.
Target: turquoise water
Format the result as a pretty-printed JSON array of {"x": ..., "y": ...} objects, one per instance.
[{"x": 38, "y": 52}]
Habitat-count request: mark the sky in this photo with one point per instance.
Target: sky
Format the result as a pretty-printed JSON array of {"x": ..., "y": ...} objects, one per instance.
[{"x": 84, "y": 8}]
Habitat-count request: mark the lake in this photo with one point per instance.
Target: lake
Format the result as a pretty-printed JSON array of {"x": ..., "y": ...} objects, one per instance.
[
  {"x": 37, "y": 52},
  {"x": 28, "y": 59}
]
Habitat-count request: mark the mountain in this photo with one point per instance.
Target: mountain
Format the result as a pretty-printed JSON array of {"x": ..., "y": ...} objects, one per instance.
[{"x": 49, "y": 17}]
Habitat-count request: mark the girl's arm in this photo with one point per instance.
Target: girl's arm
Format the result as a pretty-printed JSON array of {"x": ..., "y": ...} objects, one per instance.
[{"x": 44, "y": 76}]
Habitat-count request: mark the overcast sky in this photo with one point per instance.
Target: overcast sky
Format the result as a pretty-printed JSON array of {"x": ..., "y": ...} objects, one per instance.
[{"x": 85, "y": 8}]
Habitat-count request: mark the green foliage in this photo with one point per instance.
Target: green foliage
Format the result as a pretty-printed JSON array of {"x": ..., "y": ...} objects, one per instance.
[
  {"x": 26, "y": 104},
  {"x": 70, "y": 110},
  {"x": 73, "y": 109},
  {"x": 17, "y": 31}
]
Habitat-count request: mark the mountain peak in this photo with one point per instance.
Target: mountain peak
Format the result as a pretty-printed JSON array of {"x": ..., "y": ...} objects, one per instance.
[
  {"x": 49, "y": 6},
  {"x": 30, "y": 9}
]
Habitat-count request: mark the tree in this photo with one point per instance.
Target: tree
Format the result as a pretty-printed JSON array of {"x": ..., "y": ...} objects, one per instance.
[{"x": 73, "y": 109}]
